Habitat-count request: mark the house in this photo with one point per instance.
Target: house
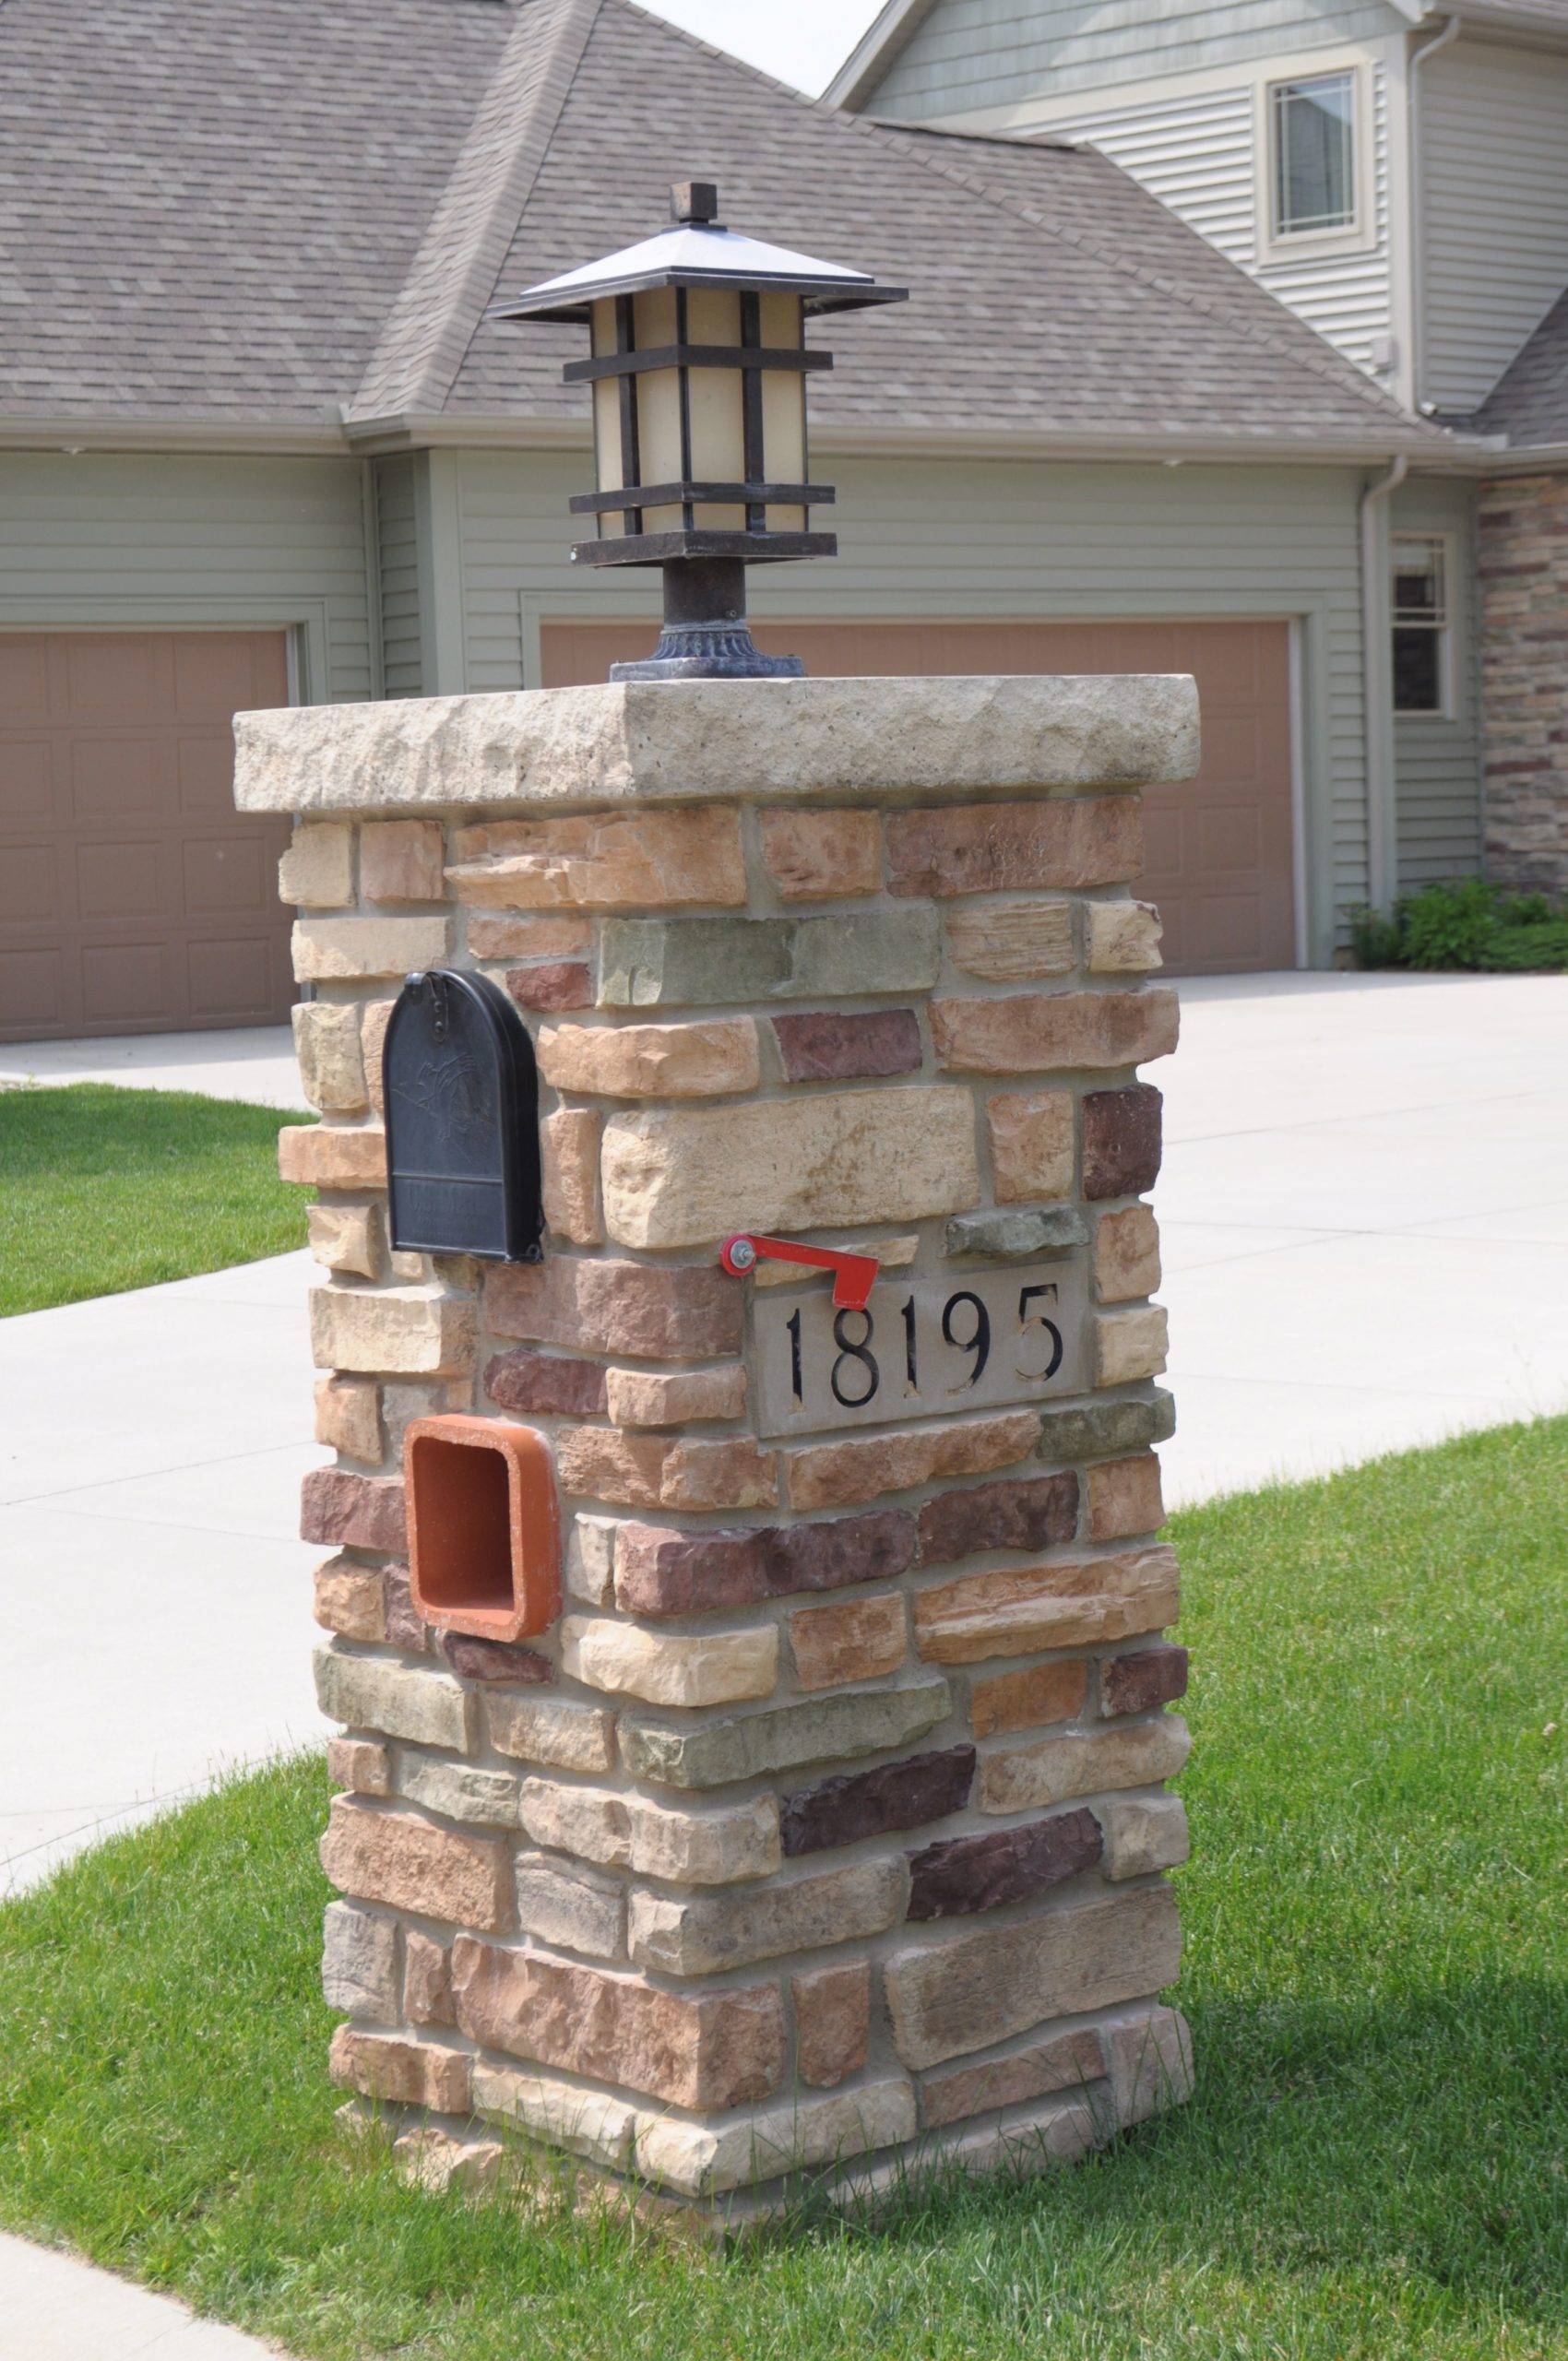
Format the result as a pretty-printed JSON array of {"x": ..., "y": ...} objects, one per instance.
[
  {"x": 258, "y": 442},
  {"x": 1397, "y": 174}
]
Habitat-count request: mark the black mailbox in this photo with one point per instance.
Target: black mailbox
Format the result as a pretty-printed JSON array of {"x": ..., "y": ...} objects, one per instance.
[{"x": 462, "y": 1121}]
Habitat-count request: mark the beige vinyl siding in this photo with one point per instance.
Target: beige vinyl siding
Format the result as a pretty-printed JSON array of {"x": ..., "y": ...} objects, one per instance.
[
  {"x": 1437, "y": 764},
  {"x": 1493, "y": 167},
  {"x": 1016, "y": 539},
  {"x": 974, "y": 54},
  {"x": 151, "y": 542},
  {"x": 1197, "y": 153},
  {"x": 399, "y": 576}
]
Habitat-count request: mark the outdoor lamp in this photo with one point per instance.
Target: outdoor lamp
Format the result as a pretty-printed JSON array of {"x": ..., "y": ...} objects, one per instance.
[{"x": 698, "y": 369}]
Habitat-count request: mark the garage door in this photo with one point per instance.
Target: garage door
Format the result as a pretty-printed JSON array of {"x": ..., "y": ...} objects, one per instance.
[
  {"x": 134, "y": 899},
  {"x": 1218, "y": 849}
]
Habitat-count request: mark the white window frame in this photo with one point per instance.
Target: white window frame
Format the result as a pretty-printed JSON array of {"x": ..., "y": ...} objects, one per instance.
[
  {"x": 1442, "y": 630},
  {"x": 1358, "y": 235}
]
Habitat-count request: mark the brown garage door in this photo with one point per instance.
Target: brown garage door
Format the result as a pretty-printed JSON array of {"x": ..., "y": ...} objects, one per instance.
[
  {"x": 134, "y": 899},
  {"x": 1219, "y": 849}
]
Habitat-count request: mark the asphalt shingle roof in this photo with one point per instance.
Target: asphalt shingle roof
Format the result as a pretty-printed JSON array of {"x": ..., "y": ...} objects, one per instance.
[
  {"x": 1529, "y": 402},
  {"x": 291, "y": 211}
]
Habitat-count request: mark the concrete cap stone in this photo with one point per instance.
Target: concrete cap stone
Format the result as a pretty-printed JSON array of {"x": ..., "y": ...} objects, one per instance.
[{"x": 764, "y": 741}]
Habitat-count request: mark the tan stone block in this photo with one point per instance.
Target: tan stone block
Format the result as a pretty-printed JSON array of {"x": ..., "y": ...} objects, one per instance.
[
  {"x": 458, "y": 1790},
  {"x": 402, "y": 861},
  {"x": 409, "y": 1864},
  {"x": 1022, "y": 1610},
  {"x": 690, "y": 1312},
  {"x": 373, "y": 1020},
  {"x": 1010, "y": 943},
  {"x": 351, "y": 1599},
  {"x": 1124, "y": 1497},
  {"x": 832, "y": 2022},
  {"x": 1126, "y": 1346},
  {"x": 408, "y": 1331},
  {"x": 704, "y": 1934},
  {"x": 1144, "y": 1834},
  {"x": 409, "y": 2073},
  {"x": 1031, "y": 1144},
  {"x": 707, "y": 2050},
  {"x": 1060, "y": 2132},
  {"x": 333, "y": 1156},
  {"x": 981, "y": 1987},
  {"x": 653, "y": 1471},
  {"x": 671, "y": 1667},
  {"x": 1151, "y": 2063},
  {"x": 347, "y": 1417},
  {"x": 402, "y": 1700},
  {"x": 709, "y": 2159},
  {"x": 569, "y": 1157},
  {"x": 820, "y": 856},
  {"x": 1018, "y": 1700},
  {"x": 326, "y": 1044},
  {"x": 433, "y": 2160},
  {"x": 859, "y": 1640},
  {"x": 605, "y": 861},
  {"x": 688, "y": 1176},
  {"x": 359, "y": 1963},
  {"x": 534, "y": 1730},
  {"x": 548, "y": 934},
  {"x": 703, "y": 1059},
  {"x": 347, "y": 1238},
  {"x": 317, "y": 870},
  {"x": 629, "y": 1832},
  {"x": 1051, "y": 1770},
  {"x": 590, "y": 1558},
  {"x": 360, "y": 1765},
  {"x": 1126, "y": 1256},
  {"x": 1049, "y": 1032},
  {"x": 590, "y": 2123},
  {"x": 342, "y": 950},
  {"x": 1123, "y": 938},
  {"x": 892, "y": 1253},
  {"x": 646, "y": 1397},
  {"x": 840, "y": 1475},
  {"x": 1062, "y": 2061},
  {"x": 570, "y": 1908}
]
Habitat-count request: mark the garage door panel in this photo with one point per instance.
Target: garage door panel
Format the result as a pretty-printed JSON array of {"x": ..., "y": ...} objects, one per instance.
[
  {"x": 1218, "y": 849},
  {"x": 133, "y": 896}
]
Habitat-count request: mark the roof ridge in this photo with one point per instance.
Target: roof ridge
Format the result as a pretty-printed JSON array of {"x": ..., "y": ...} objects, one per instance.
[
  {"x": 431, "y": 324},
  {"x": 1328, "y": 366}
]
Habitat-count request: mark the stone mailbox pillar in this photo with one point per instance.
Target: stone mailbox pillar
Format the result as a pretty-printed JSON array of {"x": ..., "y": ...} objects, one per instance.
[{"x": 826, "y": 1826}]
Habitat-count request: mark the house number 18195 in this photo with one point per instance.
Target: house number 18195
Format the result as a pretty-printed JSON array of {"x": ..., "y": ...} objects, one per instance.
[{"x": 921, "y": 1346}]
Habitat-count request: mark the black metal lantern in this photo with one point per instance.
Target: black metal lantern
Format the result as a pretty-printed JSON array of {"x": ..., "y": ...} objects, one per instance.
[{"x": 698, "y": 370}]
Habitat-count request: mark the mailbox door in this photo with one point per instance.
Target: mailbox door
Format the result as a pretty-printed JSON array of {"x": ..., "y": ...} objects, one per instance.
[{"x": 462, "y": 1092}]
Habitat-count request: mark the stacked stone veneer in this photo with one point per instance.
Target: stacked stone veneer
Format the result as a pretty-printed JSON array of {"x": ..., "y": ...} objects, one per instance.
[
  {"x": 829, "y": 1823},
  {"x": 1523, "y": 527}
]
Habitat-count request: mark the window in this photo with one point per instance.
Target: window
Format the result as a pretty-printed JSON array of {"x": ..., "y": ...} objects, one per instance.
[
  {"x": 1313, "y": 135},
  {"x": 1420, "y": 626}
]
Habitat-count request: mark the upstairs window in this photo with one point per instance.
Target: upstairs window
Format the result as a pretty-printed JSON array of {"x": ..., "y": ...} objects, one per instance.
[
  {"x": 1312, "y": 140},
  {"x": 1421, "y": 625}
]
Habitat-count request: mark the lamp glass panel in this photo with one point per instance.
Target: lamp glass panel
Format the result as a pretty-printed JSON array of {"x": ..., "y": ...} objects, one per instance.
[
  {"x": 606, "y": 422},
  {"x": 659, "y": 405},
  {"x": 719, "y": 443},
  {"x": 784, "y": 407}
]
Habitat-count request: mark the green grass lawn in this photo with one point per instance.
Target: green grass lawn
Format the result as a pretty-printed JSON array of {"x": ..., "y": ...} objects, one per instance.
[
  {"x": 103, "y": 1189},
  {"x": 1375, "y": 2166}
]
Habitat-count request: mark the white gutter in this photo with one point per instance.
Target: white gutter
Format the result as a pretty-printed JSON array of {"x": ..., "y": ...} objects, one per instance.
[
  {"x": 1419, "y": 57},
  {"x": 1377, "y": 694}
]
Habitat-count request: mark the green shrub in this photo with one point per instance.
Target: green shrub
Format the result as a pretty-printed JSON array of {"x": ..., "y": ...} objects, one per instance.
[
  {"x": 1450, "y": 926},
  {"x": 1468, "y": 925}
]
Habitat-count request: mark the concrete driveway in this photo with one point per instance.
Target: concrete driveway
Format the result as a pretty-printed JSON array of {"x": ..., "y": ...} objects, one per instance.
[{"x": 1365, "y": 1218}]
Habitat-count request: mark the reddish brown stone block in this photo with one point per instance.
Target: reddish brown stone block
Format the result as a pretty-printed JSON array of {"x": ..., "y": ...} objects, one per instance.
[
  {"x": 552, "y": 984},
  {"x": 1059, "y": 2062},
  {"x": 353, "y": 1512},
  {"x": 832, "y": 2022},
  {"x": 545, "y": 1384},
  {"x": 409, "y": 2073},
  {"x": 870, "y": 1803},
  {"x": 841, "y": 1475},
  {"x": 961, "y": 1874},
  {"x": 1020, "y": 1513},
  {"x": 640, "y": 1470},
  {"x": 1124, "y": 1497},
  {"x": 1021, "y": 1701},
  {"x": 406, "y": 1627},
  {"x": 706, "y": 2050},
  {"x": 833, "y": 1046},
  {"x": 818, "y": 856},
  {"x": 1121, "y": 1141},
  {"x": 1046, "y": 1032},
  {"x": 663, "y": 1572},
  {"x": 410, "y": 1864},
  {"x": 401, "y": 861},
  {"x": 1053, "y": 845},
  {"x": 1143, "y": 1678},
  {"x": 649, "y": 1311},
  {"x": 427, "y": 1979},
  {"x": 860, "y": 1640},
  {"x": 478, "y": 1659}
]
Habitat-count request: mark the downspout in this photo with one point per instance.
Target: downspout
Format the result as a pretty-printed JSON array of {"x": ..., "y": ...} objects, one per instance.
[
  {"x": 1377, "y": 694},
  {"x": 1419, "y": 57}
]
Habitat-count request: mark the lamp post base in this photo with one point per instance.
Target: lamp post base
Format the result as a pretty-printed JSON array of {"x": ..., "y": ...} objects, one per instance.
[{"x": 705, "y": 635}]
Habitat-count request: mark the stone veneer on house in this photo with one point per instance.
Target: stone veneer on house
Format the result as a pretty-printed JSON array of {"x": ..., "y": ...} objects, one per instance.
[
  {"x": 1523, "y": 528},
  {"x": 827, "y": 1827}
]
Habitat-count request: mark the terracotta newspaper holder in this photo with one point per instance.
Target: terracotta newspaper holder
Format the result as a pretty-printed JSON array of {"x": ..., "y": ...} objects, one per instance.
[{"x": 483, "y": 1542}]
